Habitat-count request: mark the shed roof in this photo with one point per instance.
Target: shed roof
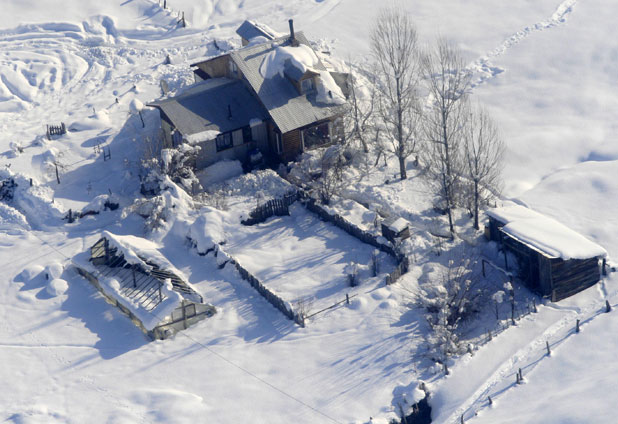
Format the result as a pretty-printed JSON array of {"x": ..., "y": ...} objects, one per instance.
[
  {"x": 204, "y": 107},
  {"x": 251, "y": 29},
  {"x": 287, "y": 107},
  {"x": 545, "y": 235}
]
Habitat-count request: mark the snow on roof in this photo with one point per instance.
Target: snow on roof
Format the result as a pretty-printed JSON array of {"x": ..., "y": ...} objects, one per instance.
[
  {"x": 251, "y": 29},
  {"x": 206, "y": 106},
  {"x": 544, "y": 234},
  {"x": 288, "y": 108},
  {"x": 139, "y": 251},
  {"x": 398, "y": 225}
]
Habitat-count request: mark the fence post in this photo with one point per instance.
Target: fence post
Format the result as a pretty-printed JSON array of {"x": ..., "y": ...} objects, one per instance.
[
  {"x": 57, "y": 175},
  {"x": 608, "y": 307},
  {"x": 577, "y": 326},
  {"x": 347, "y": 299},
  {"x": 547, "y": 346}
]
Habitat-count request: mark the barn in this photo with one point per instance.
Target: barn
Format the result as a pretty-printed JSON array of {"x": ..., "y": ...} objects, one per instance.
[{"x": 553, "y": 260}]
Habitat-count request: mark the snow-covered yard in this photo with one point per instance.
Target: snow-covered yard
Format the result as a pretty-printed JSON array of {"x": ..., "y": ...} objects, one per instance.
[
  {"x": 544, "y": 69},
  {"x": 301, "y": 258}
]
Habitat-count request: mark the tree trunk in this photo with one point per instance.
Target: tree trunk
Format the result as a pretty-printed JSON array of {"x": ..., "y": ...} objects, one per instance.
[
  {"x": 476, "y": 205},
  {"x": 402, "y": 168}
]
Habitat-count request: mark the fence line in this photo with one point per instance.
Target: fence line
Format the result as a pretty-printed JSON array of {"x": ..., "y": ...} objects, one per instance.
[
  {"x": 278, "y": 207},
  {"x": 284, "y": 307},
  {"x": 56, "y": 130}
]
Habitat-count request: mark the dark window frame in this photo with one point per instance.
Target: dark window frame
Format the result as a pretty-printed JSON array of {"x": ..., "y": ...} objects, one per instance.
[{"x": 224, "y": 141}]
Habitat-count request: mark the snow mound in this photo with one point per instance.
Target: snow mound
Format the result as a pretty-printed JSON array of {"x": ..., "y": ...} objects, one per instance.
[
  {"x": 169, "y": 405},
  {"x": 219, "y": 172},
  {"x": 30, "y": 272},
  {"x": 135, "y": 106},
  {"x": 302, "y": 57},
  {"x": 54, "y": 270},
  {"x": 207, "y": 230},
  {"x": 57, "y": 287},
  {"x": 544, "y": 234}
]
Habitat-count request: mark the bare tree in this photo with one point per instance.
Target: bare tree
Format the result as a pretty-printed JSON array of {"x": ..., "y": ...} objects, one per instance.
[
  {"x": 359, "y": 116},
  {"x": 448, "y": 84},
  {"x": 483, "y": 151},
  {"x": 395, "y": 49}
]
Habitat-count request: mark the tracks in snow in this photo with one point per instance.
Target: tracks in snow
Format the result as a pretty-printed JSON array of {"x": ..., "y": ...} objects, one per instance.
[{"x": 484, "y": 70}]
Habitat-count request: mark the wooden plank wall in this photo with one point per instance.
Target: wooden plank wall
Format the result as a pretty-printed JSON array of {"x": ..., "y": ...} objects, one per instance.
[
  {"x": 572, "y": 276},
  {"x": 292, "y": 145}
]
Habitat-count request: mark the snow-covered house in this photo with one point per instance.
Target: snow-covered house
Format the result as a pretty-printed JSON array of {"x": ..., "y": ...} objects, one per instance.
[
  {"x": 552, "y": 259},
  {"x": 134, "y": 276},
  {"x": 274, "y": 95}
]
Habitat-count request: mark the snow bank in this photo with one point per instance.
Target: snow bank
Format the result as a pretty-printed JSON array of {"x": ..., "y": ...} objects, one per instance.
[
  {"x": 30, "y": 272},
  {"x": 10, "y": 218},
  {"x": 544, "y": 234},
  {"x": 219, "y": 172}
]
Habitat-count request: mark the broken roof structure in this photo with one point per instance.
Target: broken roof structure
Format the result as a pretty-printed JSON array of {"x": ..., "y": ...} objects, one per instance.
[
  {"x": 249, "y": 30},
  {"x": 552, "y": 259},
  {"x": 133, "y": 275}
]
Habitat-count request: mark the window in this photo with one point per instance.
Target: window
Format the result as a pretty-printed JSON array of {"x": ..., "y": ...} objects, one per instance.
[
  {"x": 316, "y": 136},
  {"x": 306, "y": 85},
  {"x": 224, "y": 141}
]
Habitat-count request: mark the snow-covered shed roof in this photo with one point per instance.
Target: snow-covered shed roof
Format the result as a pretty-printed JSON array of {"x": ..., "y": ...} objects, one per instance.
[
  {"x": 287, "y": 107},
  {"x": 251, "y": 29},
  {"x": 204, "y": 107},
  {"x": 545, "y": 235}
]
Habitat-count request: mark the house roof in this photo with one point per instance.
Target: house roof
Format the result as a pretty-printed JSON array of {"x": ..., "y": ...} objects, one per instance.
[
  {"x": 252, "y": 29},
  {"x": 544, "y": 235},
  {"x": 287, "y": 108},
  {"x": 204, "y": 107}
]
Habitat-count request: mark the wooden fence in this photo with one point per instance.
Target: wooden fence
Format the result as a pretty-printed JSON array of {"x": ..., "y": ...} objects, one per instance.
[
  {"x": 271, "y": 297},
  {"x": 56, "y": 130},
  {"x": 274, "y": 207}
]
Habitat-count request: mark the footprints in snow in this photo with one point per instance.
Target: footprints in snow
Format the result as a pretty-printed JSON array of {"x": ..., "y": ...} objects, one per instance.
[{"x": 484, "y": 70}]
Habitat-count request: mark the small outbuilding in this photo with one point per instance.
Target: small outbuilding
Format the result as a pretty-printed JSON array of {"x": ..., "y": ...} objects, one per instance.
[
  {"x": 395, "y": 228},
  {"x": 552, "y": 260}
]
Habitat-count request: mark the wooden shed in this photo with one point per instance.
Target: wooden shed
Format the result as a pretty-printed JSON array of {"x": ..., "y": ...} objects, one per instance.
[
  {"x": 395, "y": 228},
  {"x": 552, "y": 260}
]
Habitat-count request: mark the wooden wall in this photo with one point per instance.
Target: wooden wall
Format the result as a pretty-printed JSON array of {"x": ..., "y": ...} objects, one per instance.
[{"x": 292, "y": 145}]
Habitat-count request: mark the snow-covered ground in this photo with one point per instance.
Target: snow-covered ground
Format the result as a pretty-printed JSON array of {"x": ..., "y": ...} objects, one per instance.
[{"x": 546, "y": 71}]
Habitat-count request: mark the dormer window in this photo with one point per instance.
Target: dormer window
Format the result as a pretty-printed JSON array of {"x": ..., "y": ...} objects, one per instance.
[{"x": 307, "y": 85}]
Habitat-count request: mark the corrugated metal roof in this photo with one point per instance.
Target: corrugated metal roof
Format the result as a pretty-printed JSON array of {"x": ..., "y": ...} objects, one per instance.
[
  {"x": 288, "y": 109},
  {"x": 204, "y": 106}
]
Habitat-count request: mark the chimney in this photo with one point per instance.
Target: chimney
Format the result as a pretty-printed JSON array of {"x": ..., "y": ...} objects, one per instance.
[{"x": 292, "y": 37}]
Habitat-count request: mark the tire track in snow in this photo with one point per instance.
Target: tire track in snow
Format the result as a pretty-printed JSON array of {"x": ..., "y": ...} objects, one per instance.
[{"x": 484, "y": 70}]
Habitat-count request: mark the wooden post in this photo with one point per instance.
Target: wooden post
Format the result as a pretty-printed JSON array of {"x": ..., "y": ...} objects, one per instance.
[
  {"x": 140, "y": 117},
  {"x": 483, "y": 266},
  {"x": 521, "y": 376},
  {"x": 489, "y": 400},
  {"x": 506, "y": 264},
  {"x": 604, "y": 267},
  {"x": 608, "y": 307},
  {"x": 534, "y": 306},
  {"x": 47, "y": 132},
  {"x": 134, "y": 280},
  {"x": 462, "y": 420},
  {"x": 489, "y": 335},
  {"x": 513, "y": 311},
  {"x": 577, "y": 326},
  {"x": 160, "y": 295},
  {"x": 57, "y": 175},
  {"x": 184, "y": 314},
  {"x": 347, "y": 298},
  {"x": 547, "y": 346}
]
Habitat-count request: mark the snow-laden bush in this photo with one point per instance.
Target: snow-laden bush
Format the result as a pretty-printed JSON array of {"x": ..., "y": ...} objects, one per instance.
[{"x": 452, "y": 295}]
